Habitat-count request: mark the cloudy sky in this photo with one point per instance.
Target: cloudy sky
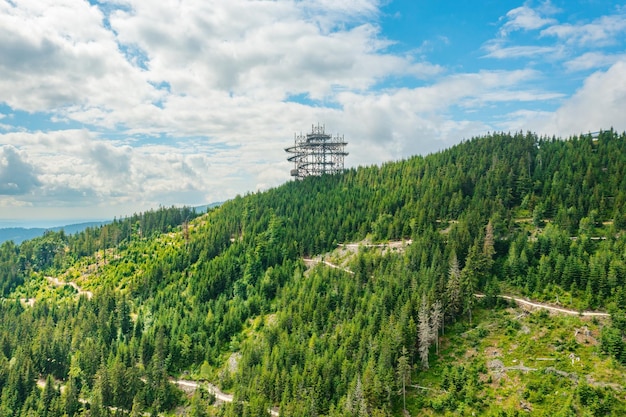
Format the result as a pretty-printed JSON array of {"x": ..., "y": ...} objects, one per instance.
[{"x": 114, "y": 107}]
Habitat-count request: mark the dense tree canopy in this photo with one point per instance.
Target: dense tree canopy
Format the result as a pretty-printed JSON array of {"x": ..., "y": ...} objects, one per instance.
[{"x": 173, "y": 293}]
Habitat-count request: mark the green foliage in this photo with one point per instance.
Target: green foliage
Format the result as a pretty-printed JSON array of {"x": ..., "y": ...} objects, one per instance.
[{"x": 173, "y": 293}]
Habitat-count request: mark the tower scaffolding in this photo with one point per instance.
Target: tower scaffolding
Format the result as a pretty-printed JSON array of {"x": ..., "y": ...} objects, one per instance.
[{"x": 317, "y": 153}]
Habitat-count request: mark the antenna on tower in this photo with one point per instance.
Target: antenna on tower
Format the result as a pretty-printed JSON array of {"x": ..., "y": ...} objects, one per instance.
[{"x": 317, "y": 153}]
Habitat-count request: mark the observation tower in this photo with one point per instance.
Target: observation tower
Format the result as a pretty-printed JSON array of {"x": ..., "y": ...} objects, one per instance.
[{"x": 316, "y": 153}]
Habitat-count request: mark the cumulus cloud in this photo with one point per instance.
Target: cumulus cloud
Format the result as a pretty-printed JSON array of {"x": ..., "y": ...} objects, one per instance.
[
  {"x": 171, "y": 102},
  {"x": 583, "y": 46},
  {"x": 392, "y": 124},
  {"x": 264, "y": 50},
  {"x": 134, "y": 67},
  {"x": 58, "y": 55},
  {"x": 111, "y": 160},
  {"x": 598, "y": 104},
  {"x": 524, "y": 18},
  {"x": 77, "y": 167},
  {"x": 17, "y": 176}
]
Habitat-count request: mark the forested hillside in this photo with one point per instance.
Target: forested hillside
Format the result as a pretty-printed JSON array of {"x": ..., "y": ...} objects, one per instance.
[{"x": 226, "y": 297}]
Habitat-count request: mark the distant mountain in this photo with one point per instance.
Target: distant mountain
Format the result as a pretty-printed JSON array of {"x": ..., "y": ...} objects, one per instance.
[
  {"x": 204, "y": 208},
  {"x": 78, "y": 227},
  {"x": 20, "y": 234}
]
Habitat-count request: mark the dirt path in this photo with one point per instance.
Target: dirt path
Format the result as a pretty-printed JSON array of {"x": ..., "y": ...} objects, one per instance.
[
  {"x": 397, "y": 244},
  {"x": 314, "y": 261},
  {"x": 349, "y": 250},
  {"x": 212, "y": 389},
  {"x": 310, "y": 262},
  {"x": 552, "y": 308},
  {"x": 58, "y": 283},
  {"x": 186, "y": 386}
]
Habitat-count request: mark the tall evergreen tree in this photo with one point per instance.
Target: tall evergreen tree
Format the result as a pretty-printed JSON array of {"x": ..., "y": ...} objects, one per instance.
[
  {"x": 453, "y": 286},
  {"x": 436, "y": 318},
  {"x": 424, "y": 332},
  {"x": 404, "y": 373}
]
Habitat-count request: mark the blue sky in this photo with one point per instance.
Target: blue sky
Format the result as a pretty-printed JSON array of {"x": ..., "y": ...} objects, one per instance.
[{"x": 113, "y": 107}]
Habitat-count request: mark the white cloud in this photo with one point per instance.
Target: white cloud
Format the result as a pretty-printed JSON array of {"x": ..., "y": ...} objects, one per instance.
[
  {"x": 525, "y": 18},
  {"x": 193, "y": 102},
  {"x": 593, "y": 60},
  {"x": 79, "y": 167},
  {"x": 55, "y": 55},
  {"x": 606, "y": 30},
  {"x": 222, "y": 57},
  {"x": 522, "y": 120},
  {"x": 393, "y": 124},
  {"x": 75, "y": 165},
  {"x": 583, "y": 40},
  {"x": 263, "y": 50},
  {"x": 598, "y": 104},
  {"x": 499, "y": 51},
  {"x": 17, "y": 176}
]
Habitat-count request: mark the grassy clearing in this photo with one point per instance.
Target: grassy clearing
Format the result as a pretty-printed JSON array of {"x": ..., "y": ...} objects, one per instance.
[{"x": 513, "y": 362}]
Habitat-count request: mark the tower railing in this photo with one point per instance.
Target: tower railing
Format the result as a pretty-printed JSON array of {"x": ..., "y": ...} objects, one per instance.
[{"x": 317, "y": 153}]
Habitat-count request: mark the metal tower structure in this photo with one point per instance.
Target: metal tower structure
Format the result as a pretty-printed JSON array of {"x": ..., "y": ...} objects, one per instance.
[{"x": 316, "y": 153}]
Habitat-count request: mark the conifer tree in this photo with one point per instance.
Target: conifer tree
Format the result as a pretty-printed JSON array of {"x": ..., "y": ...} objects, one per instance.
[
  {"x": 70, "y": 399},
  {"x": 472, "y": 274},
  {"x": 436, "y": 318},
  {"x": 453, "y": 287},
  {"x": 488, "y": 243},
  {"x": 136, "y": 410},
  {"x": 355, "y": 401},
  {"x": 424, "y": 332},
  {"x": 404, "y": 373},
  {"x": 48, "y": 396},
  {"x": 197, "y": 407}
]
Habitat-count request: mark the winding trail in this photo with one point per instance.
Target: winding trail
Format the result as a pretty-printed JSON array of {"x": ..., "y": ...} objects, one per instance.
[
  {"x": 184, "y": 385},
  {"x": 188, "y": 386},
  {"x": 314, "y": 261},
  {"x": 58, "y": 283},
  {"x": 533, "y": 304},
  {"x": 310, "y": 262}
]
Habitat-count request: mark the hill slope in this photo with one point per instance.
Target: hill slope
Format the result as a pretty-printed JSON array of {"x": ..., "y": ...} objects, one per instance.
[{"x": 226, "y": 296}]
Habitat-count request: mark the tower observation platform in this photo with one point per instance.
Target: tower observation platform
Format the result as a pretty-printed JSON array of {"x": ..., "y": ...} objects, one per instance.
[{"x": 317, "y": 153}]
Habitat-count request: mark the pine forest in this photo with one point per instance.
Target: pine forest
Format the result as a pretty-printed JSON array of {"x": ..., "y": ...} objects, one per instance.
[{"x": 486, "y": 279}]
